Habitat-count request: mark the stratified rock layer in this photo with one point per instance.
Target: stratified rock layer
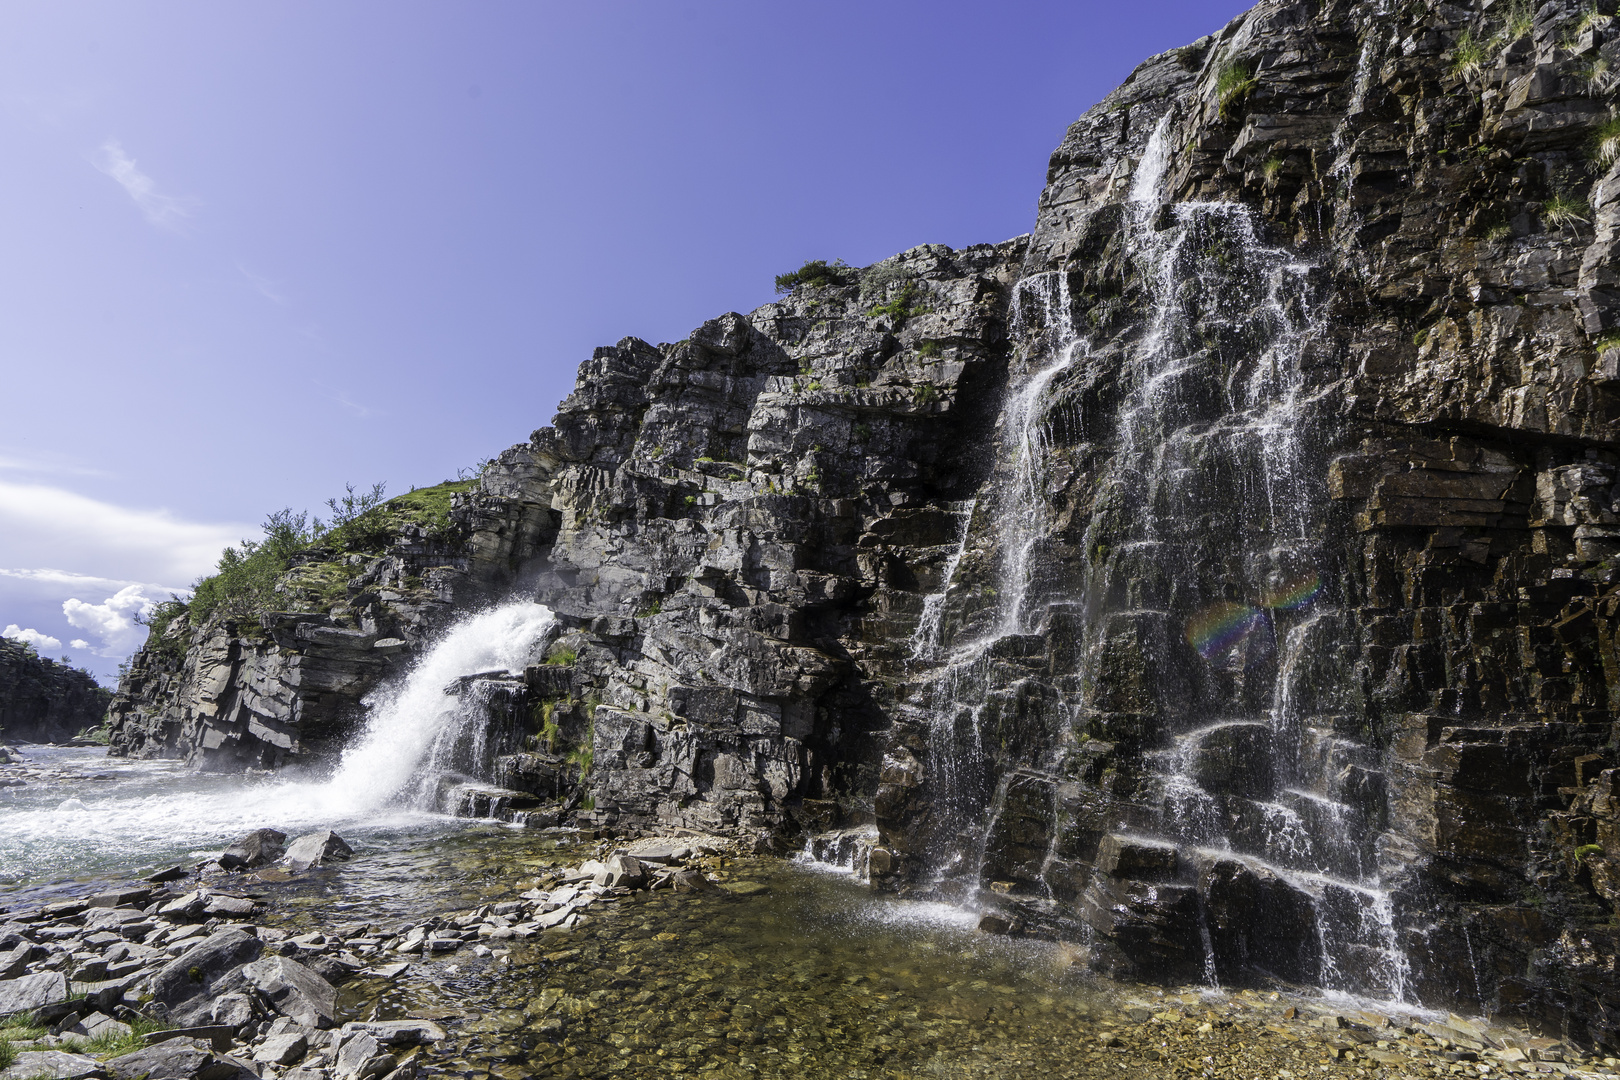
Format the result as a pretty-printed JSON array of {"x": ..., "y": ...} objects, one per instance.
[{"x": 1224, "y": 573}]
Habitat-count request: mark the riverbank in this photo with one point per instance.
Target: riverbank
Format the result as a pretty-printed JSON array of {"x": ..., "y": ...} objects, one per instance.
[{"x": 507, "y": 953}]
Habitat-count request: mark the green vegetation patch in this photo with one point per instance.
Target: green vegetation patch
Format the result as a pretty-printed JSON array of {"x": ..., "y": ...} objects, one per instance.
[
  {"x": 252, "y": 577},
  {"x": 815, "y": 274},
  {"x": 1233, "y": 86}
]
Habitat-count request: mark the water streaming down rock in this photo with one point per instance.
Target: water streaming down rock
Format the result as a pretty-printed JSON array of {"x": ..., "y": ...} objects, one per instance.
[
  {"x": 1202, "y": 745},
  {"x": 434, "y": 725},
  {"x": 1376, "y": 484}
]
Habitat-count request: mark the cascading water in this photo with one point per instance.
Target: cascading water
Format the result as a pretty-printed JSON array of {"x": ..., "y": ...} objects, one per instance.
[
  {"x": 416, "y": 727},
  {"x": 1200, "y": 600},
  {"x": 388, "y": 779}
]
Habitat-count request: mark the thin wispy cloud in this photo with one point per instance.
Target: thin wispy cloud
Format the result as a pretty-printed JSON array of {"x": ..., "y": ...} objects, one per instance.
[
  {"x": 361, "y": 412},
  {"x": 164, "y": 211},
  {"x": 41, "y": 525},
  {"x": 37, "y": 465},
  {"x": 266, "y": 288},
  {"x": 67, "y": 579}
]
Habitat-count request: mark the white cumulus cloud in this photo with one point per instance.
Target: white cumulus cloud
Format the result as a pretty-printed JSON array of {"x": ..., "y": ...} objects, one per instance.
[
  {"x": 164, "y": 211},
  {"x": 112, "y": 620},
  {"x": 43, "y": 643},
  {"x": 79, "y": 643}
]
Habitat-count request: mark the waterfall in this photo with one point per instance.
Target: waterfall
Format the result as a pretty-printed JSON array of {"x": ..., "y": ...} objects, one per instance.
[
  {"x": 388, "y": 779},
  {"x": 415, "y": 726},
  {"x": 1199, "y": 619}
]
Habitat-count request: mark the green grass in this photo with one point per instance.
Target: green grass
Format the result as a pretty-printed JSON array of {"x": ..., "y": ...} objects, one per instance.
[
  {"x": 8, "y": 1054},
  {"x": 1562, "y": 212},
  {"x": 18, "y": 1028},
  {"x": 562, "y": 657},
  {"x": 929, "y": 349},
  {"x": 1588, "y": 849},
  {"x": 1233, "y": 86},
  {"x": 927, "y": 394},
  {"x": 1271, "y": 168},
  {"x": 1611, "y": 340},
  {"x": 1468, "y": 54},
  {"x": 900, "y": 308},
  {"x": 1521, "y": 19},
  {"x": 585, "y": 754},
  {"x": 1606, "y": 141},
  {"x": 244, "y": 582},
  {"x": 1499, "y": 232},
  {"x": 1590, "y": 18}
]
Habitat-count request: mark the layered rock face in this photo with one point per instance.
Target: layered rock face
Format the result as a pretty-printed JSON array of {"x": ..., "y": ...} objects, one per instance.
[
  {"x": 44, "y": 701},
  {"x": 288, "y": 686},
  {"x": 1223, "y": 574}
]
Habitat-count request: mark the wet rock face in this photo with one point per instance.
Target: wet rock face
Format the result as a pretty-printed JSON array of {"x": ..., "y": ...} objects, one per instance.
[
  {"x": 1227, "y": 568},
  {"x": 44, "y": 701}
]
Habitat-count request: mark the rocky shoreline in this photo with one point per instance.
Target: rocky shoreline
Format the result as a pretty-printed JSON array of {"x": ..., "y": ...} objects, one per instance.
[{"x": 197, "y": 973}]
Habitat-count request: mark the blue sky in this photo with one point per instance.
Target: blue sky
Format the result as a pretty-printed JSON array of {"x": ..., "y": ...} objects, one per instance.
[{"x": 257, "y": 250}]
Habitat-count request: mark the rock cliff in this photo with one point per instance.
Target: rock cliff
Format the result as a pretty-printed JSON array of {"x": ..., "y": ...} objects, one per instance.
[
  {"x": 44, "y": 701},
  {"x": 1224, "y": 574}
]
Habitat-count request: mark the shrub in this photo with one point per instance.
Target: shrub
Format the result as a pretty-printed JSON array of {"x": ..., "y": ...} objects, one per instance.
[
  {"x": 1233, "y": 85},
  {"x": 244, "y": 582},
  {"x": 815, "y": 274},
  {"x": 927, "y": 394}
]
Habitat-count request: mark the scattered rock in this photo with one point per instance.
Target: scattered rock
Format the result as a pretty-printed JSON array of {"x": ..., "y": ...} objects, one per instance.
[
  {"x": 53, "y": 1064},
  {"x": 33, "y": 994},
  {"x": 312, "y": 849}
]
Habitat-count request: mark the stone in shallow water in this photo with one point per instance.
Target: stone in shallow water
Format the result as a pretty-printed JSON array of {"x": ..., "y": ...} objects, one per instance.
[
  {"x": 312, "y": 849},
  {"x": 398, "y": 1031}
]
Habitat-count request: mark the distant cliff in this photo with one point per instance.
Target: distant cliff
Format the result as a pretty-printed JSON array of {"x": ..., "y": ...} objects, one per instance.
[
  {"x": 44, "y": 701},
  {"x": 1224, "y": 574}
]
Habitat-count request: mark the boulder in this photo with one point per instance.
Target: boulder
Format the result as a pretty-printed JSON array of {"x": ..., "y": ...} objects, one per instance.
[
  {"x": 313, "y": 849},
  {"x": 33, "y": 993},
  {"x": 288, "y": 1048},
  {"x": 257, "y": 848},
  {"x": 189, "y": 983},
  {"x": 1137, "y": 858},
  {"x": 232, "y": 1010},
  {"x": 290, "y": 988},
  {"x": 53, "y": 1065},
  {"x": 1259, "y": 923},
  {"x": 14, "y": 961},
  {"x": 622, "y": 870},
  {"x": 176, "y": 1059},
  {"x": 361, "y": 1057}
]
